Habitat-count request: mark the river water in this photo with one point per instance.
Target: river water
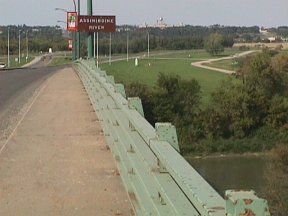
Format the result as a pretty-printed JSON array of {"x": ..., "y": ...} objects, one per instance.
[{"x": 237, "y": 172}]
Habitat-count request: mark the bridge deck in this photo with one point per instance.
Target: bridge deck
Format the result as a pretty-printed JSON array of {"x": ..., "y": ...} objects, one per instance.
[{"x": 57, "y": 162}]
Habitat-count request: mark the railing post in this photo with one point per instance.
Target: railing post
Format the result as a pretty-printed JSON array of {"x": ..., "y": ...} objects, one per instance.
[{"x": 245, "y": 203}]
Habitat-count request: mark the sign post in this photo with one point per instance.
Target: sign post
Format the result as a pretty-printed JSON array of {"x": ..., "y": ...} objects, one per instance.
[
  {"x": 97, "y": 24},
  {"x": 77, "y": 48},
  {"x": 70, "y": 44},
  {"x": 90, "y": 34},
  {"x": 73, "y": 27},
  {"x": 71, "y": 21},
  {"x": 92, "y": 24}
]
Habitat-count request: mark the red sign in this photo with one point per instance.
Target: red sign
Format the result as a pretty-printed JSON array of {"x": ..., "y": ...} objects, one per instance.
[
  {"x": 96, "y": 23},
  {"x": 70, "y": 44},
  {"x": 71, "y": 21}
]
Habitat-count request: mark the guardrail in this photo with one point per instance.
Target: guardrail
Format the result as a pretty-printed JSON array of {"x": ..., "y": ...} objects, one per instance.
[{"x": 158, "y": 179}]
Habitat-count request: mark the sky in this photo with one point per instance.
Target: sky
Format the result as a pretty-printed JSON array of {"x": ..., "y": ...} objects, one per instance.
[{"x": 265, "y": 13}]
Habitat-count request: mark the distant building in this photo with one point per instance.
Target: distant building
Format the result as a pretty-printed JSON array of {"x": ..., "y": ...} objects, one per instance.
[
  {"x": 262, "y": 30},
  {"x": 160, "y": 24},
  {"x": 272, "y": 39}
]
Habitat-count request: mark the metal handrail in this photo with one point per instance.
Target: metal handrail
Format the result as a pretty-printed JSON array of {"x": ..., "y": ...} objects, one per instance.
[{"x": 158, "y": 179}]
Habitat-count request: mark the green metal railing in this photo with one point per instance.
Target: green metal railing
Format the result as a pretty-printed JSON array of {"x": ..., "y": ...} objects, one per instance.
[{"x": 158, "y": 179}]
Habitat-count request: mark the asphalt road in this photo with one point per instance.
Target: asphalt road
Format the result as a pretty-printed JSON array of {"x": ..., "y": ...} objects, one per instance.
[{"x": 17, "y": 87}]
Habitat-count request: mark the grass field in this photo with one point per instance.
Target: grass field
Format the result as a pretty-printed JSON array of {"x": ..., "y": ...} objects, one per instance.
[
  {"x": 15, "y": 64},
  {"x": 126, "y": 72},
  {"x": 61, "y": 60}
]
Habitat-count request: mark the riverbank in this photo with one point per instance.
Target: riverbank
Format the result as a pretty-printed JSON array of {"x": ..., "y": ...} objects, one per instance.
[{"x": 227, "y": 155}]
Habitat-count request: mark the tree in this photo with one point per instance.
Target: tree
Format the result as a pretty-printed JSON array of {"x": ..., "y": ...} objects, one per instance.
[
  {"x": 214, "y": 44},
  {"x": 146, "y": 95},
  {"x": 233, "y": 112},
  {"x": 277, "y": 184},
  {"x": 240, "y": 108},
  {"x": 178, "y": 101}
]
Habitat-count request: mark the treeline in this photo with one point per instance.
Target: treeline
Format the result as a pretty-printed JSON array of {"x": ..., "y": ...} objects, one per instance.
[
  {"x": 179, "y": 38},
  {"x": 40, "y": 38},
  {"x": 282, "y": 31},
  {"x": 173, "y": 38},
  {"x": 248, "y": 112}
]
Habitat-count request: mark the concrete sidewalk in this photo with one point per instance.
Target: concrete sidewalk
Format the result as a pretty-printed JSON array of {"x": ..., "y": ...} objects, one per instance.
[{"x": 57, "y": 162}]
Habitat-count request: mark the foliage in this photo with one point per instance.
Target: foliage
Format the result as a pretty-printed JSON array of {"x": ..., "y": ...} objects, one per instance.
[
  {"x": 176, "y": 100},
  {"x": 245, "y": 113},
  {"x": 147, "y": 74},
  {"x": 60, "y": 61},
  {"x": 234, "y": 109},
  {"x": 136, "y": 89},
  {"x": 173, "y": 38},
  {"x": 40, "y": 38},
  {"x": 277, "y": 185},
  {"x": 173, "y": 100},
  {"x": 239, "y": 109},
  {"x": 214, "y": 44}
]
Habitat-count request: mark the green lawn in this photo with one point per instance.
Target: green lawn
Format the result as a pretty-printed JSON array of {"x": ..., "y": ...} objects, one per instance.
[
  {"x": 15, "y": 64},
  {"x": 126, "y": 72},
  {"x": 61, "y": 60}
]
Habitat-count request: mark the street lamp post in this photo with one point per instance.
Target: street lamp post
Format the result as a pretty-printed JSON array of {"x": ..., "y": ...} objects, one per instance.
[
  {"x": 78, "y": 54},
  {"x": 61, "y": 9},
  {"x": 148, "y": 45},
  {"x": 8, "y": 50},
  {"x": 127, "y": 46},
  {"x": 75, "y": 41},
  {"x": 90, "y": 35},
  {"x": 74, "y": 5},
  {"x": 19, "y": 43},
  {"x": 27, "y": 48},
  {"x": 94, "y": 45},
  {"x": 110, "y": 48},
  {"x": 61, "y": 21},
  {"x": 97, "y": 33}
]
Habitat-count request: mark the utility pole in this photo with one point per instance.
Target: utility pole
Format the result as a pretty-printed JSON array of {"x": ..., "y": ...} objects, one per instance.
[
  {"x": 19, "y": 43},
  {"x": 110, "y": 49},
  {"x": 90, "y": 35},
  {"x": 97, "y": 56},
  {"x": 148, "y": 44},
  {"x": 74, "y": 49},
  {"x": 127, "y": 46},
  {"x": 8, "y": 50},
  {"x": 27, "y": 48},
  {"x": 94, "y": 45},
  {"x": 78, "y": 53}
]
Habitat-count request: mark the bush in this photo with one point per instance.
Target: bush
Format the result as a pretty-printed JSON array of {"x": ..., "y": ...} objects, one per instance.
[{"x": 146, "y": 95}]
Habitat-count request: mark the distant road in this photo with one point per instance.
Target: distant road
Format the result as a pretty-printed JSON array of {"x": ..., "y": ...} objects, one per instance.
[
  {"x": 40, "y": 61},
  {"x": 200, "y": 64}
]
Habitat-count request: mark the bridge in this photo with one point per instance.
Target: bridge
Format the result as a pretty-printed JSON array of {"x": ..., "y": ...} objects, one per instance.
[{"x": 62, "y": 159}]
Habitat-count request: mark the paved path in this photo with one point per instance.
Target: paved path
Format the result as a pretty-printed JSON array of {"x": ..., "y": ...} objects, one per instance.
[
  {"x": 201, "y": 63},
  {"x": 56, "y": 161}
]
